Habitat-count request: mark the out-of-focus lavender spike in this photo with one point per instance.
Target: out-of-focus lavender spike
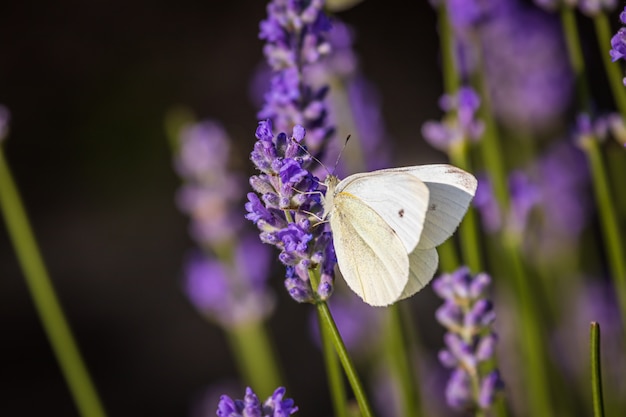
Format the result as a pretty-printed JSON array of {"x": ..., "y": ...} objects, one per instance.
[
  {"x": 5, "y": 117},
  {"x": 250, "y": 406},
  {"x": 460, "y": 125},
  {"x": 235, "y": 294},
  {"x": 470, "y": 341},
  {"x": 210, "y": 190},
  {"x": 525, "y": 62}
]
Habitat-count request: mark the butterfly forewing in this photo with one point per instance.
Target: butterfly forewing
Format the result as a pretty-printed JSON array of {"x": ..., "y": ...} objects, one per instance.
[
  {"x": 371, "y": 256},
  {"x": 399, "y": 198},
  {"x": 451, "y": 191}
]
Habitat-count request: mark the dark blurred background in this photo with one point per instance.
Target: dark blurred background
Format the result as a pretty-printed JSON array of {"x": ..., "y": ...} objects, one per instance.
[{"x": 88, "y": 85}]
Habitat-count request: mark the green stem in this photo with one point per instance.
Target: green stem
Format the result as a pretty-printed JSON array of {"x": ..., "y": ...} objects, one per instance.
[
  {"x": 333, "y": 372},
  {"x": 608, "y": 221},
  {"x": 47, "y": 305},
  {"x": 399, "y": 356},
  {"x": 613, "y": 72},
  {"x": 254, "y": 357},
  {"x": 468, "y": 230},
  {"x": 531, "y": 336},
  {"x": 576, "y": 57},
  {"x": 596, "y": 371},
  {"x": 326, "y": 319},
  {"x": 451, "y": 79}
]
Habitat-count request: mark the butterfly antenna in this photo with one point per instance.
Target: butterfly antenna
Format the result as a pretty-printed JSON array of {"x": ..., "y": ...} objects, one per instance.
[
  {"x": 341, "y": 152},
  {"x": 314, "y": 158}
]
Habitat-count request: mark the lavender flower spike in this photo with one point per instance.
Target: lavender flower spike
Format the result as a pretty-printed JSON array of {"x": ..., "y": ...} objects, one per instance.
[
  {"x": 289, "y": 211},
  {"x": 5, "y": 116},
  {"x": 470, "y": 341},
  {"x": 618, "y": 41},
  {"x": 459, "y": 125},
  {"x": 250, "y": 406}
]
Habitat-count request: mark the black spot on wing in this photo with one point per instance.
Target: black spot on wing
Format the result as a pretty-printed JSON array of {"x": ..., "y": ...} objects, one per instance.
[{"x": 401, "y": 212}]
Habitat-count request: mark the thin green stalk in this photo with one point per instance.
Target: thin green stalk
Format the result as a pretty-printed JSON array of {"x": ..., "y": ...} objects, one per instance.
[
  {"x": 612, "y": 69},
  {"x": 451, "y": 79},
  {"x": 448, "y": 258},
  {"x": 596, "y": 371},
  {"x": 326, "y": 319},
  {"x": 576, "y": 58},
  {"x": 48, "y": 308},
  {"x": 399, "y": 357},
  {"x": 333, "y": 371},
  {"x": 254, "y": 357},
  {"x": 608, "y": 221},
  {"x": 468, "y": 230},
  {"x": 531, "y": 336}
]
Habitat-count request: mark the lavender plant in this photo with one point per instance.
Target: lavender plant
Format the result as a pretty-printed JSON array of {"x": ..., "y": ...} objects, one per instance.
[
  {"x": 274, "y": 406},
  {"x": 470, "y": 341}
]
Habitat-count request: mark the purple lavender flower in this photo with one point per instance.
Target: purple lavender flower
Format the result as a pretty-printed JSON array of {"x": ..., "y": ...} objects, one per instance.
[
  {"x": 470, "y": 341},
  {"x": 251, "y": 406},
  {"x": 459, "y": 125},
  {"x": 226, "y": 283},
  {"x": 530, "y": 82},
  {"x": 5, "y": 117},
  {"x": 295, "y": 34},
  {"x": 231, "y": 293},
  {"x": 289, "y": 210},
  {"x": 595, "y": 7},
  {"x": 210, "y": 190}
]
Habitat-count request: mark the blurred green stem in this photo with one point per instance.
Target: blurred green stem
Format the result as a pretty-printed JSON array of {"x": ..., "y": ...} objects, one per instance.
[
  {"x": 596, "y": 371},
  {"x": 612, "y": 69},
  {"x": 402, "y": 367},
  {"x": 576, "y": 58},
  {"x": 608, "y": 221},
  {"x": 254, "y": 357},
  {"x": 531, "y": 337},
  {"x": 468, "y": 230},
  {"x": 48, "y": 307}
]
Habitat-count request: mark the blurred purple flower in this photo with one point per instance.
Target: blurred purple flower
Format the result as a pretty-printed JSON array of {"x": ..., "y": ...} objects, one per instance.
[
  {"x": 524, "y": 197},
  {"x": 250, "y": 406},
  {"x": 549, "y": 205},
  {"x": 5, "y": 117},
  {"x": 594, "y": 7},
  {"x": 470, "y": 341},
  {"x": 459, "y": 126},
  {"x": 289, "y": 210},
  {"x": 232, "y": 294},
  {"x": 210, "y": 190},
  {"x": 529, "y": 78}
]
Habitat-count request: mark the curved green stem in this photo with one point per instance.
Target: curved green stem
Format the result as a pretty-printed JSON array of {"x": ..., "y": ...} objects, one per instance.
[
  {"x": 326, "y": 319},
  {"x": 254, "y": 357},
  {"x": 45, "y": 300},
  {"x": 596, "y": 370}
]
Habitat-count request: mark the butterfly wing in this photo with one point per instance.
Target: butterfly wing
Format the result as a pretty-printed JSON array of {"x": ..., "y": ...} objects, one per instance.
[
  {"x": 371, "y": 256},
  {"x": 422, "y": 268},
  {"x": 450, "y": 192},
  {"x": 399, "y": 198}
]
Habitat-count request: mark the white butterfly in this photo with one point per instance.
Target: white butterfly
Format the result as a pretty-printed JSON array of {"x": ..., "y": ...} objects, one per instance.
[{"x": 386, "y": 225}]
